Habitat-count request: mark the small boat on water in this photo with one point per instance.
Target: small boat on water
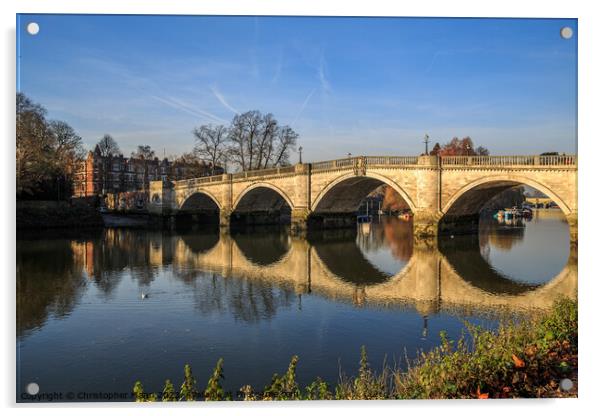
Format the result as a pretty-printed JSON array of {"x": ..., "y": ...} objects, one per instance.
[
  {"x": 514, "y": 212},
  {"x": 406, "y": 216},
  {"x": 527, "y": 212},
  {"x": 361, "y": 219}
]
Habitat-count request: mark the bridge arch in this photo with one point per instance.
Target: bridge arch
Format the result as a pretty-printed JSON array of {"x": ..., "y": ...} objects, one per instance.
[
  {"x": 262, "y": 203},
  {"x": 367, "y": 183},
  {"x": 470, "y": 198},
  {"x": 261, "y": 186},
  {"x": 199, "y": 196}
]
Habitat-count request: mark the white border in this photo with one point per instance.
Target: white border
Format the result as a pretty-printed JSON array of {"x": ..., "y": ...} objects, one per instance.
[{"x": 590, "y": 70}]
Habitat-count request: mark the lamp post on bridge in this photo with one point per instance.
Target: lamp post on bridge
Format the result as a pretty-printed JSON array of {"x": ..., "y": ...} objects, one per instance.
[
  {"x": 300, "y": 154},
  {"x": 426, "y": 144}
]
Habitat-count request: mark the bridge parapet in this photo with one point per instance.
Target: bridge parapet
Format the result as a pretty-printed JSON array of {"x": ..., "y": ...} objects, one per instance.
[
  {"x": 352, "y": 162},
  {"x": 263, "y": 172},
  {"x": 393, "y": 161},
  {"x": 186, "y": 183},
  {"x": 507, "y": 161}
]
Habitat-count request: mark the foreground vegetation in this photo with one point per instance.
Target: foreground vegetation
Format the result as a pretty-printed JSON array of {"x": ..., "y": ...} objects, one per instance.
[{"x": 528, "y": 358}]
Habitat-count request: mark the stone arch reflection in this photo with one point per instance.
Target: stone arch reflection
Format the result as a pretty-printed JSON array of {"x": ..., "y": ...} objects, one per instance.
[
  {"x": 431, "y": 279},
  {"x": 354, "y": 255},
  {"x": 200, "y": 242},
  {"x": 464, "y": 254},
  {"x": 262, "y": 247}
]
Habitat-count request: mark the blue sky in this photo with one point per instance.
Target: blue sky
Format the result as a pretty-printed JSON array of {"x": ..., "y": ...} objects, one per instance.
[{"x": 360, "y": 85}]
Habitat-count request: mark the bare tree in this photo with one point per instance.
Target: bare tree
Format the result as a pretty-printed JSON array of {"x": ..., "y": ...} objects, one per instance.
[
  {"x": 236, "y": 151},
  {"x": 211, "y": 144},
  {"x": 107, "y": 146},
  {"x": 286, "y": 140},
  {"x": 34, "y": 146},
  {"x": 194, "y": 166},
  {"x": 69, "y": 149},
  {"x": 482, "y": 151},
  {"x": 244, "y": 137},
  {"x": 256, "y": 141},
  {"x": 265, "y": 145},
  {"x": 47, "y": 152},
  {"x": 144, "y": 152}
]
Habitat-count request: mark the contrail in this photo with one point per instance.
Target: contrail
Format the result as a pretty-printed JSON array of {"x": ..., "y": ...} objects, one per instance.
[
  {"x": 222, "y": 100},
  {"x": 305, "y": 102},
  {"x": 178, "y": 105}
]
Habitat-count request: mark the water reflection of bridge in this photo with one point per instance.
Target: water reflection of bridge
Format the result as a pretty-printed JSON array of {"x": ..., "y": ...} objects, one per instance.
[
  {"x": 437, "y": 276},
  {"x": 336, "y": 264}
]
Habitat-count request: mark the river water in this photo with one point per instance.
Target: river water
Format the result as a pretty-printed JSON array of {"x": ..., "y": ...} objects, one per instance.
[{"x": 98, "y": 310}]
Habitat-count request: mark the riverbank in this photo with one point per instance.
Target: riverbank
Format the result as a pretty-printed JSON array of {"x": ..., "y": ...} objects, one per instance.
[
  {"x": 530, "y": 358},
  {"x": 56, "y": 214}
]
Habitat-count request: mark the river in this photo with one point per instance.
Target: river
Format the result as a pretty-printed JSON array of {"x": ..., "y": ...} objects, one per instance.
[{"x": 98, "y": 310}]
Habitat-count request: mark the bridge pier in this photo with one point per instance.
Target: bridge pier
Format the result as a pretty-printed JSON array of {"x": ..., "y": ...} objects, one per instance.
[
  {"x": 299, "y": 220},
  {"x": 333, "y": 220},
  {"x": 459, "y": 224},
  {"x": 426, "y": 224},
  {"x": 224, "y": 219}
]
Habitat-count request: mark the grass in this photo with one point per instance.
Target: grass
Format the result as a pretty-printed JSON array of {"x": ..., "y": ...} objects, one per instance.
[{"x": 527, "y": 358}]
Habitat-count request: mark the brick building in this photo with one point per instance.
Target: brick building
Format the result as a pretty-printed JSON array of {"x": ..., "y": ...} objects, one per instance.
[{"x": 98, "y": 175}]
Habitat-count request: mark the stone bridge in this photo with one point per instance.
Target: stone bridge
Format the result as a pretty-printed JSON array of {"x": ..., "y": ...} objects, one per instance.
[
  {"x": 434, "y": 278},
  {"x": 445, "y": 194}
]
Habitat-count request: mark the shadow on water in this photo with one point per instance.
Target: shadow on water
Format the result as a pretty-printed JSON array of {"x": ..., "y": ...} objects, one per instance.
[{"x": 49, "y": 282}]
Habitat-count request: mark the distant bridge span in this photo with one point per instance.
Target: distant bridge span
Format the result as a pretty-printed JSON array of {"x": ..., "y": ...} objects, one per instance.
[{"x": 444, "y": 193}]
